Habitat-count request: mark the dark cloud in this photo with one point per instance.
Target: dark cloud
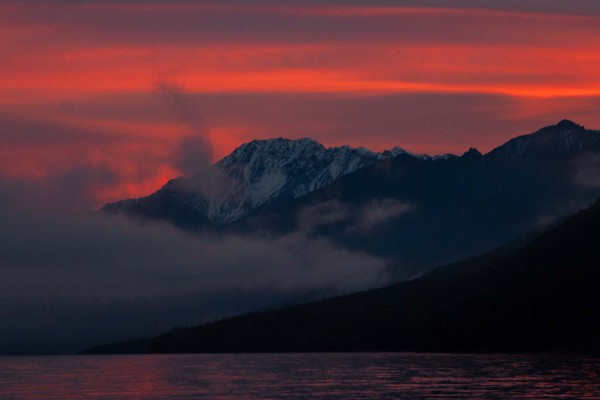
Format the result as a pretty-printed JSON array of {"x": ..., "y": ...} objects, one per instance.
[
  {"x": 24, "y": 131},
  {"x": 73, "y": 190},
  {"x": 412, "y": 121},
  {"x": 419, "y": 122},
  {"x": 430, "y": 123},
  {"x": 194, "y": 152},
  {"x": 172, "y": 24},
  {"x": 62, "y": 163},
  {"x": 75, "y": 280},
  {"x": 182, "y": 106},
  {"x": 574, "y": 6}
]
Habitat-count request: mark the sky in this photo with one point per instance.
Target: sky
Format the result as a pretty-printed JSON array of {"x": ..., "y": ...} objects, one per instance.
[{"x": 112, "y": 98}]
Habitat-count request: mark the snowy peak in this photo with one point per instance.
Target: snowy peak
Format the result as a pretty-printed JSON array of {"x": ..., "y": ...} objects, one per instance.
[
  {"x": 255, "y": 174},
  {"x": 263, "y": 171},
  {"x": 276, "y": 150}
]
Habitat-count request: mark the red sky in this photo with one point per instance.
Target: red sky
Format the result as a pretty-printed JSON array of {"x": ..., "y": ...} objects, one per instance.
[{"x": 108, "y": 91}]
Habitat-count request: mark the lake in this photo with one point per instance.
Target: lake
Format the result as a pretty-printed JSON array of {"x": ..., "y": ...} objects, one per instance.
[{"x": 274, "y": 376}]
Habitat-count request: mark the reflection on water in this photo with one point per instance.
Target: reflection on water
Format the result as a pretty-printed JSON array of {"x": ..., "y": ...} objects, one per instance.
[{"x": 222, "y": 376}]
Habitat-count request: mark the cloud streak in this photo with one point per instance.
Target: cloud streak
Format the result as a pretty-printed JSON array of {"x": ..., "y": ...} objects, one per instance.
[{"x": 351, "y": 220}]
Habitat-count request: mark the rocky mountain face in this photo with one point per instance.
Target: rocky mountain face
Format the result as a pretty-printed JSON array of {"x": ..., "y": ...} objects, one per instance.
[
  {"x": 420, "y": 212},
  {"x": 254, "y": 175},
  {"x": 416, "y": 211},
  {"x": 537, "y": 294},
  {"x": 554, "y": 141}
]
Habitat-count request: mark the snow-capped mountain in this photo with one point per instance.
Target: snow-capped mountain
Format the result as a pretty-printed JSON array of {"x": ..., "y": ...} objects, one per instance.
[
  {"x": 254, "y": 175},
  {"x": 261, "y": 174}
]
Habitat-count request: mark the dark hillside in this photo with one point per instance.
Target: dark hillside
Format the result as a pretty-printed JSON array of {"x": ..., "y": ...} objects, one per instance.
[{"x": 541, "y": 298}]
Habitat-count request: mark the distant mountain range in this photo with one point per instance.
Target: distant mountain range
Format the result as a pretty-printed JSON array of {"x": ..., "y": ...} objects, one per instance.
[
  {"x": 537, "y": 294},
  {"x": 537, "y": 297},
  {"x": 416, "y": 211},
  {"x": 422, "y": 212},
  {"x": 255, "y": 174}
]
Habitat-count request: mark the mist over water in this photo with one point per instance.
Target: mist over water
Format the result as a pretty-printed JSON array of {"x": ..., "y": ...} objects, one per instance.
[{"x": 298, "y": 376}]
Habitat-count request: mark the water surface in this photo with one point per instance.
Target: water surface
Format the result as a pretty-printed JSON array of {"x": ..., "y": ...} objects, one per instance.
[{"x": 275, "y": 376}]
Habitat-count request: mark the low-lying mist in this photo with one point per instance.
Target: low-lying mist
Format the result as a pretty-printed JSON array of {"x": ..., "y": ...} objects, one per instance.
[{"x": 75, "y": 280}]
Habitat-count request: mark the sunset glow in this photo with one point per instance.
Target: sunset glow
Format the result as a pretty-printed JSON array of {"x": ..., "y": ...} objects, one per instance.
[{"x": 83, "y": 86}]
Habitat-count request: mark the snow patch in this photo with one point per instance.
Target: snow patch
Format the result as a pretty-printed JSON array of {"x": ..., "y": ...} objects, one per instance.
[{"x": 268, "y": 185}]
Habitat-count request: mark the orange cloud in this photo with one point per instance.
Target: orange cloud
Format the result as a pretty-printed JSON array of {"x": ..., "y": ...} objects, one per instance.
[{"x": 513, "y": 70}]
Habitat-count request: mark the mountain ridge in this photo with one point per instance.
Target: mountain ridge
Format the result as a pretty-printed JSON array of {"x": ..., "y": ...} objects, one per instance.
[
  {"x": 254, "y": 174},
  {"x": 563, "y": 138},
  {"x": 539, "y": 296},
  {"x": 449, "y": 209},
  {"x": 261, "y": 172},
  {"x": 460, "y": 206},
  {"x": 417, "y": 212}
]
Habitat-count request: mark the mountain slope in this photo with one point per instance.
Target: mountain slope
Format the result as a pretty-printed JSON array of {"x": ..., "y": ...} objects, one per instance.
[
  {"x": 417, "y": 212},
  {"x": 554, "y": 141},
  {"x": 253, "y": 175},
  {"x": 452, "y": 208},
  {"x": 542, "y": 297}
]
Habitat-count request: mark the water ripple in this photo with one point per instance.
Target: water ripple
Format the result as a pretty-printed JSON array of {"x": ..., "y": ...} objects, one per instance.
[{"x": 298, "y": 376}]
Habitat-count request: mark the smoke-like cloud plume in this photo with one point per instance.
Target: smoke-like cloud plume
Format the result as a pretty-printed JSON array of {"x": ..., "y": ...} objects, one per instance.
[{"x": 194, "y": 151}]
